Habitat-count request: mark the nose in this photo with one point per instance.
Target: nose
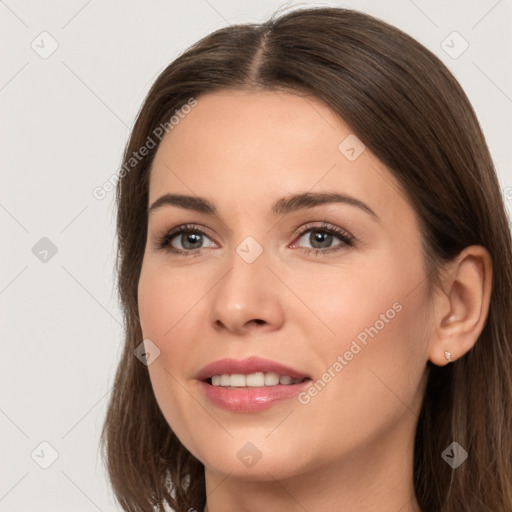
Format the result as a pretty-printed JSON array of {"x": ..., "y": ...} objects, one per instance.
[{"x": 247, "y": 298}]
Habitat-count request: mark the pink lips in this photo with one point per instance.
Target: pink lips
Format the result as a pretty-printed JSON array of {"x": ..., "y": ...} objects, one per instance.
[{"x": 249, "y": 399}]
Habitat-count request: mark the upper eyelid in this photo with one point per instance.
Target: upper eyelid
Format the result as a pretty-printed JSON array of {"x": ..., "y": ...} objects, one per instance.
[{"x": 189, "y": 226}]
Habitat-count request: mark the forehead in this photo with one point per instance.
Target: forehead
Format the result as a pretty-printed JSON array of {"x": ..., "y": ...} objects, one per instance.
[{"x": 241, "y": 148}]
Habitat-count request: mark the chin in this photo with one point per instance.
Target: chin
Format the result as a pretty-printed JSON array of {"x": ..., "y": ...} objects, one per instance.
[{"x": 250, "y": 461}]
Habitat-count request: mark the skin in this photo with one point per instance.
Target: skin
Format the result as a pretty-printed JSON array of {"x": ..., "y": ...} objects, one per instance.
[{"x": 351, "y": 446}]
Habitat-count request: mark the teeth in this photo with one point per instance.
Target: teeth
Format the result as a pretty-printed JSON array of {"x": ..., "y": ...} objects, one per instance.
[
  {"x": 253, "y": 380},
  {"x": 271, "y": 379},
  {"x": 237, "y": 380}
]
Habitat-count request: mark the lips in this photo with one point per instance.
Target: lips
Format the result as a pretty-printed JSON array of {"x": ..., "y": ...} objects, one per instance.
[{"x": 250, "y": 385}]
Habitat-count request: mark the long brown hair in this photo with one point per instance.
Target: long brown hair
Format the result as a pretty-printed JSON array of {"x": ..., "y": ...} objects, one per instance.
[{"x": 403, "y": 104}]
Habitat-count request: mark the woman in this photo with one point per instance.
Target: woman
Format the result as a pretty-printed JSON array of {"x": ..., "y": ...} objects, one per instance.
[{"x": 315, "y": 270}]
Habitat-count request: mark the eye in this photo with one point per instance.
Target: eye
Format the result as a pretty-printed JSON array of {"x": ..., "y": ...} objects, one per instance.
[
  {"x": 322, "y": 236},
  {"x": 185, "y": 240}
]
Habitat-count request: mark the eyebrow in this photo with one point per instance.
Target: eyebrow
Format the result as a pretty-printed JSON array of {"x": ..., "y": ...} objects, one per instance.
[{"x": 283, "y": 206}]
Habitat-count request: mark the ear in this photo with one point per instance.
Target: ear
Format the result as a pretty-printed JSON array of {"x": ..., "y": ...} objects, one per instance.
[{"x": 461, "y": 307}]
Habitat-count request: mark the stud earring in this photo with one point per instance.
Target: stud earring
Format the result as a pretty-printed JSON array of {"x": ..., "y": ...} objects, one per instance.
[{"x": 448, "y": 356}]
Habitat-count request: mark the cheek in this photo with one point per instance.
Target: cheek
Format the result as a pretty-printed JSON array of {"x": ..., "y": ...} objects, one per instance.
[
  {"x": 345, "y": 300},
  {"x": 168, "y": 302},
  {"x": 166, "y": 298},
  {"x": 375, "y": 360},
  {"x": 163, "y": 305},
  {"x": 156, "y": 305}
]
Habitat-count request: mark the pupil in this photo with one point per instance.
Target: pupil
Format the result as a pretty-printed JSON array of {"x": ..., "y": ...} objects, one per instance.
[
  {"x": 195, "y": 239},
  {"x": 321, "y": 237}
]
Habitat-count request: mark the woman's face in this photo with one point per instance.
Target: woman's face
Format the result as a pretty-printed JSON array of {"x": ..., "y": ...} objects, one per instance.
[{"x": 335, "y": 291}]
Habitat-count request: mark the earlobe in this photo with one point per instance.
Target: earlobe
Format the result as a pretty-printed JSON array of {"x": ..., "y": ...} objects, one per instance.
[{"x": 462, "y": 306}]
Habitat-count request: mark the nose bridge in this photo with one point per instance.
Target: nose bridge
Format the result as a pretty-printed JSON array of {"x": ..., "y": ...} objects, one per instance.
[{"x": 247, "y": 292}]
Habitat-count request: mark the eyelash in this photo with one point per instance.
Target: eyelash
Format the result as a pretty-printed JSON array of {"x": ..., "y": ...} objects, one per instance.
[{"x": 348, "y": 240}]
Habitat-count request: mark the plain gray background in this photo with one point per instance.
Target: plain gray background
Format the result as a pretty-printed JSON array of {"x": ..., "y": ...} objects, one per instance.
[{"x": 66, "y": 118}]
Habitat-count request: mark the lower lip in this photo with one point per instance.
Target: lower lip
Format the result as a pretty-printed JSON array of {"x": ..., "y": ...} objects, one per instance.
[{"x": 251, "y": 399}]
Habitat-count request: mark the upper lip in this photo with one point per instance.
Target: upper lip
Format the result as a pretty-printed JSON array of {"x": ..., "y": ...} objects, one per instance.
[{"x": 246, "y": 366}]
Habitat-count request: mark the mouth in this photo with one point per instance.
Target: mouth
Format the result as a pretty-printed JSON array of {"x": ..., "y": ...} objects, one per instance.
[{"x": 250, "y": 385}]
